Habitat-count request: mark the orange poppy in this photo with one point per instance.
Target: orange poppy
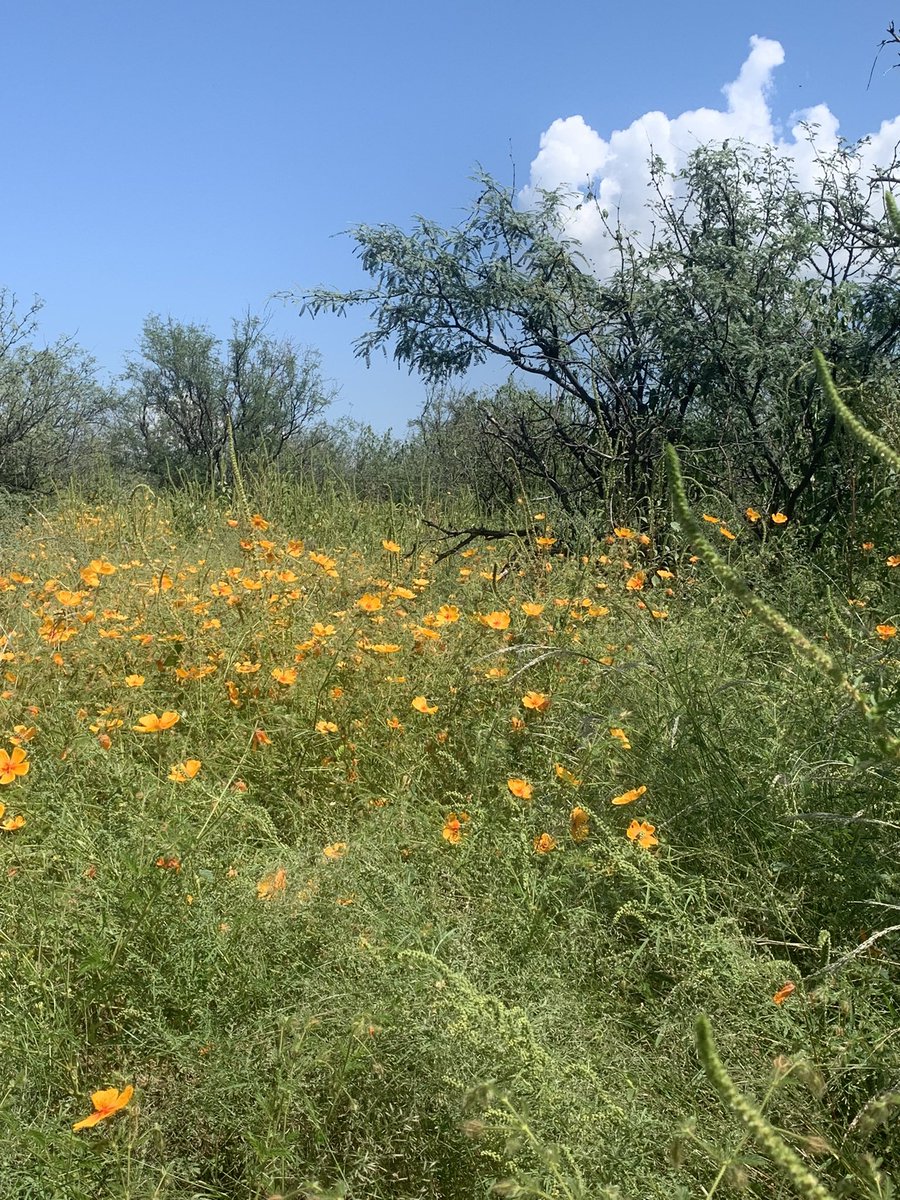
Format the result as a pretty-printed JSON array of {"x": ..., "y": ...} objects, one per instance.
[
  {"x": 544, "y": 843},
  {"x": 106, "y": 1102},
  {"x": 783, "y": 992},
  {"x": 578, "y": 824},
  {"x": 13, "y": 765},
  {"x": 520, "y": 788},
  {"x": 629, "y": 797}
]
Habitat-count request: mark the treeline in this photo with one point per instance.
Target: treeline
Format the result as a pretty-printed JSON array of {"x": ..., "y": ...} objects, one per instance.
[{"x": 700, "y": 332}]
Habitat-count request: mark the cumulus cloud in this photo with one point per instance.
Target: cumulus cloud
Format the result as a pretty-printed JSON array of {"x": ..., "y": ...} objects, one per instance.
[{"x": 574, "y": 157}]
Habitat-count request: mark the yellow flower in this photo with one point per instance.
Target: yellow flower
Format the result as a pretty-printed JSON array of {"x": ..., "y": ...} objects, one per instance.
[
  {"x": 751, "y": 514},
  {"x": 726, "y": 533},
  {"x": 335, "y": 851},
  {"x": 454, "y": 827},
  {"x": 106, "y": 1102},
  {"x": 884, "y": 632},
  {"x": 151, "y": 723},
  {"x": 247, "y": 667},
  {"x": 545, "y": 542},
  {"x": 537, "y": 701},
  {"x": 642, "y": 833},
  {"x": 326, "y": 727},
  {"x": 259, "y": 522},
  {"x": 369, "y": 602},
  {"x": 495, "y": 620},
  {"x": 893, "y": 561},
  {"x": 578, "y": 824},
  {"x": 323, "y": 631},
  {"x": 622, "y": 531},
  {"x": 13, "y": 765},
  {"x": 182, "y": 772},
  {"x": 391, "y": 547},
  {"x": 532, "y": 609},
  {"x": 566, "y": 775},
  {"x": 284, "y": 675},
  {"x": 520, "y": 788},
  {"x": 629, "y": 797},
  {"x": 272, "y": 884},
  {"x": 778, "y": 518},
  {"x": 420, "y": 704},
  {"x": 134, "y": 681},
  {"x": 544, "y": 843},
  {"x": 621, "y": 736},
  {"x": 636, "y": 582}
]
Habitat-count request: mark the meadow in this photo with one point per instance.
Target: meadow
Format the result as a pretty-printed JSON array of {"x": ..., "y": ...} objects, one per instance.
[{"x": 337, "y": 865}]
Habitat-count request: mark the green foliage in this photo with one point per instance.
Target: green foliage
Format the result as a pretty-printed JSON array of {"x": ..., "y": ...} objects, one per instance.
[{"x": 186, "y": 388}]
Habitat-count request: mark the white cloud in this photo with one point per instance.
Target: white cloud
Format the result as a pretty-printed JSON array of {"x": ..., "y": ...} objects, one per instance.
[{"x": 574, "y": 156}]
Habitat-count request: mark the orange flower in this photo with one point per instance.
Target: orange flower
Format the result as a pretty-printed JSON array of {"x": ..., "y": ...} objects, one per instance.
[
  {"x": 106, "y": 1102},
  {"x": 284, "y": 675},
  {"x": 335, "y": 851},
  {"x": 544, "y": 843},
  {"x": 578, "y": 824},
  {"x": 13, "y": 765},
  {"x": 621, "y": 736},
  {"x": 270, "y": 885},
  {"x": 545, "y": 542},
  {"x": 169, "y": 864},
  {"x": 726, "y": 533},
  {"x": 183, "y": 771},
  {"x": 495, "y": 620},
  {"x": 520, "y": 788},
  {"x": 517, "y": 724},
  {"x": 326, "y": 727},
  {"x": 636, "y": 582},
  {"x": 711, "y": 520},
  {"x": 622, "y": 531},
  {"x": 628, "y": 797},
  {"x": 532, "y": 609},
  {"x": 420, "y": 704},
  {"x": 884, "y": 632},
  {"x": 259, "y": 522},
  {"x": 260, "y": 738},
  {"x": 751, "y": 514},
  {"x": 453, "y": 827},
  {"x": 893, "y": 561},
  {"x": 134, "y": 681},
  {"x": 642, "y": 833},
  {"x": 537, "y": 701},
  {"x": 566, "y": 775},
  {"x": 783, "y": 992},
  {"x": 391, "y": 547},
  {"x": 369, "y": 602},
  {"x": 153, "y": 724},
  {"x": 778, "y": 518},
  {"x": 11, "y": 824}
]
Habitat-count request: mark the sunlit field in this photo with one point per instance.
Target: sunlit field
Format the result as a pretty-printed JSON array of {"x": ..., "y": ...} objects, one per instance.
[{"x": 333, "y": 867}]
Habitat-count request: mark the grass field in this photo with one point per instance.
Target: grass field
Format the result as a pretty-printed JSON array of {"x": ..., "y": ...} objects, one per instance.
[{"x": 387, "y": 877}]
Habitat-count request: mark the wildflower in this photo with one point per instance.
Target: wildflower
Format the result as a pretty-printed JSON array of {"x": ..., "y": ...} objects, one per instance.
[
  {"x": 623, "y": 532},
  {"x": 636, "y": 582},
  {"x": 495, "y": 620},
  {"x": 520, "y": 788},
  {"x": 893, "y": 561},
  {"x": 259, "y": 522},
  {"x": 531, "y": 609},
  {"x": 711, "y": 520},
  {"x": 454, "y": 827},
  {"x": 169, "y": 864},
  {"x": 382, "y": 647},
  {"x": 335, "y": 851},
  {"x": 447, "y": 614},
  {"x": 369, "y": 602},
  {"x": 151, "y": 723},
  {"x": 13, "y": 765},
  {"x": 868, "y": 546},
  {"x": 247, "y": 667},
  {"x": 284, "y": 675},
  {"x": 884, "y": 632},
  {"x": 779, "y": 518},
  {"x": 621, "y": 736},
  {"x": 517, "y": 724},
  {"x": 726, "y": 533},
  {"x": 183, "y": 771},
  {"x": 260, "y": 738},
  {"x": 566, "y": 775},
  {"x": 664, "y": 574},
  {"x": 545, "y": 542},
  {"x": 394, "y": 723},
  {"x": 544, "y": 843},
  {"x": 751, "y": 514},
  {"x": 270, "y": 885},
  {"x": 134, "y": 681},
  {"x": 323, "y": 631},
  {"x": 537, "y": 701},
  {"x": 578, "y": 824},
  {"x": 629, "y": 797},
  {"x": 420, "y": 704},
  {"x": 659, "y": 614},
  {"x": 106, "y": 1102},
  {"x": 391, "y": 547},
  {"x": 326, "y": 727},
  {"x": 11, "y": 824},
  {"x": 642, "y": 833},
  {"x": 783, "y": 992}
]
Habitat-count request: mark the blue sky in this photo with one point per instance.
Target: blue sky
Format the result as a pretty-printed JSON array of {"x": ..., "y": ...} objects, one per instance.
[{"x": 192, "y": 157}]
